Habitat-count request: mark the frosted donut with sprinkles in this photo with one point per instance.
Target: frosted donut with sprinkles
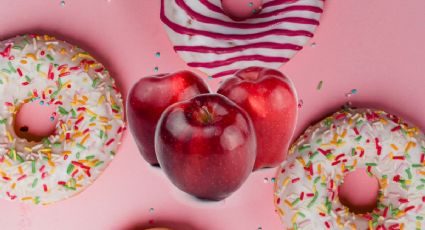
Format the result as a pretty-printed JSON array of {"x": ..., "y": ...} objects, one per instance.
[
  {"x": 206, "y": 38},
  {"x": 90, "y": 119},
  {"x": 306, "y": 189}
]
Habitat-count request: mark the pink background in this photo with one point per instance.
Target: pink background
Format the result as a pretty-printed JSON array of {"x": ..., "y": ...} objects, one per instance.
[{"x": 376, "y": 47}]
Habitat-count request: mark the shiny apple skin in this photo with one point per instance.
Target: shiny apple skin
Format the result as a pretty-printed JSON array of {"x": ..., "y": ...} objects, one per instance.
[
  {"x": 149, "y": 97},
  {"x": 208, "y": 157},
  {"x": 270, "y": 99}
]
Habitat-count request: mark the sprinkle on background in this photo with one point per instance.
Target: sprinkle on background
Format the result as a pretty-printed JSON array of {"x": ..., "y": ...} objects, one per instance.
[{"x": 319, "y": 86}]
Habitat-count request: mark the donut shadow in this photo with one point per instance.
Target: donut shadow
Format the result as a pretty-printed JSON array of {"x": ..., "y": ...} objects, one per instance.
[
  {"x": 390, "y": 107},
  {"x": 170, "y": 224},
  {"x": 387, "y": 106},
  {"x": 80, "y": 42},
  {"x": 356, "y": 208}
]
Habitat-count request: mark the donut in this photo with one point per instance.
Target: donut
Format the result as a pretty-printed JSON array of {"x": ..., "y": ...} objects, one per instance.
[
  {"x": 391, "y": 150},
  {"x": 89, "y": 125},
  {"x": 206, "y": 38}
]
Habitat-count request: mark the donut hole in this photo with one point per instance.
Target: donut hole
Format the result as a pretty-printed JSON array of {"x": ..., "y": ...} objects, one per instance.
[
  {"x": 240, "y": 10},
  {"x": 35, "y": 120},
  {"x": 359, "y": 192}
]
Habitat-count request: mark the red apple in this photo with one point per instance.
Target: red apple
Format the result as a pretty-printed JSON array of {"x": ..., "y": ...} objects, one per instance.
[
  {"x": 206, "y": 146},
  {"x": 149, "y": 97},
  {"x": 271, "y": 101}
]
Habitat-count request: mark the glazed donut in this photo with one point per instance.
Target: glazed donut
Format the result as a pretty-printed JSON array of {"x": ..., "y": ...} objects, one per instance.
[
  {"x": 306, "y": 189},
  {"x": 206, "y": 38},
  {"x": 89, "y": 119}
]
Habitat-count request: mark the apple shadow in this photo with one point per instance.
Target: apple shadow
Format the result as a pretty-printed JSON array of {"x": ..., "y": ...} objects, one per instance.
[
  {"x": 200, "y": 200},
  {"x": 170, "y": 224},
  {"x": 156, "y": 166},
  {"x": 79, "y": 41},
  {"x": 186, "y": 198}
]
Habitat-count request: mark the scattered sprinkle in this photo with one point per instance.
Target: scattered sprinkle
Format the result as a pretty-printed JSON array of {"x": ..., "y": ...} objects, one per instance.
[
  {"x": 300, "y": 103},
  {"x": 351, "y": 93},
  {"x": 319, "y": 86}
]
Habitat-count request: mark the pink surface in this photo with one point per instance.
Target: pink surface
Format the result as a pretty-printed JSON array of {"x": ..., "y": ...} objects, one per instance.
[
  {"x": 34, "y": 121},
  {"x": 359, "y": 192},
  {"x": 375, "y": 47},
  {"x": 241, "y": 9}
]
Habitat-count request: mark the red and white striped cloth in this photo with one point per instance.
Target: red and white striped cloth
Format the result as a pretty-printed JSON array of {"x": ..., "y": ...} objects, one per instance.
[{"x": 206, "y": 38}]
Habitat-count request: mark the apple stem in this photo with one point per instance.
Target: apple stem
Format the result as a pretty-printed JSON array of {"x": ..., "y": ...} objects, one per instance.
[{"x": 207, "y": 118}]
